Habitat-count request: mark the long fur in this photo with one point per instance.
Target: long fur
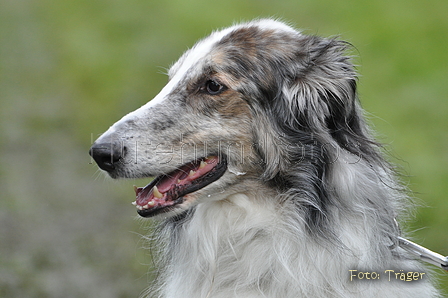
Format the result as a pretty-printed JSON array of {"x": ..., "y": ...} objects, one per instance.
[{"x": 307, "y": 196}]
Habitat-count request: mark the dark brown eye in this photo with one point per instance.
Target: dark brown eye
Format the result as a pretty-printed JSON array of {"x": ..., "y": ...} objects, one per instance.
[{"x": 213, "y": 87}]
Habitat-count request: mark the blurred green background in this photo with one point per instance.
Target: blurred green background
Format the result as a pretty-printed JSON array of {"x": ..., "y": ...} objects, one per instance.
[{"x": 69, "y": 69}]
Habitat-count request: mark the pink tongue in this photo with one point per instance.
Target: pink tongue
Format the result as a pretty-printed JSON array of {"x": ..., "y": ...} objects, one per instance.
[
  {"x": 145, "y": 194},
  {"x": 165, "y": 184}
]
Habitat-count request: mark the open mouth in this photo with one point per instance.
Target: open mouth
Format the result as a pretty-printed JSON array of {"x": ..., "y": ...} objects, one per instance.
[{"x": 167, "y": 191}]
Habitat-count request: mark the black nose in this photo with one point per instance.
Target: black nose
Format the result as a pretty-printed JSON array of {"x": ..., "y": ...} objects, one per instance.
[{"x": 107, "y": 155}]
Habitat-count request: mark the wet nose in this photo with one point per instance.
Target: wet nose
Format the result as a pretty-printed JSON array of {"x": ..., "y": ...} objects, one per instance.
[{"x": 107, "y": 155}]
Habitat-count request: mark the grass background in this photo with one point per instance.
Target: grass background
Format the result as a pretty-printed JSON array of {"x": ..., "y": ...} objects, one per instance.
[{"x": 69, "y": 69}]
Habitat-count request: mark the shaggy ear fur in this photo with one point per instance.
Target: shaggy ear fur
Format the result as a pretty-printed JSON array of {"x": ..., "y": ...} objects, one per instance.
[
  {"x": 324, "y": 95},
  {"x": 318, "y": 94}
]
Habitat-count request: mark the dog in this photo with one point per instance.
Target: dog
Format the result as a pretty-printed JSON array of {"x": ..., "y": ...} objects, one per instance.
[{"x": 268, "y": 182}]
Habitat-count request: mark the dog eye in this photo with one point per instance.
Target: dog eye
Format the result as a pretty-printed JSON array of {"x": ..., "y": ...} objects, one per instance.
[{"x": 213, "y": 87}]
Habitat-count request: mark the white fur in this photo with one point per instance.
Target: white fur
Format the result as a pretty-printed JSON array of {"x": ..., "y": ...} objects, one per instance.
[
  {"x": 306, "y": 196},
  {"x": 219, "y": 253}
]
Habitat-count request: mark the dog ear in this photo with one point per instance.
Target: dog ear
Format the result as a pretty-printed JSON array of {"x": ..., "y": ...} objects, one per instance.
[{"x": 322, "y": 95}]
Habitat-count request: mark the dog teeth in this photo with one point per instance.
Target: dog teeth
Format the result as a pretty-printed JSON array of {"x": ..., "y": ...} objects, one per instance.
[
  {"x": 137, "y": 190},
  {"x": 147, "y": 206},
  {"x": 152, "y": 203},
  {"x": 191, "y": 173},
  {"x": 179, "y": 181},
  {"x": 203, "y": 164},
  {"x": 157, "y": 193}
]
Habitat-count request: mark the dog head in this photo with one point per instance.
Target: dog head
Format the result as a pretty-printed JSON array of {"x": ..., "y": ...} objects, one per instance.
[{"x": 248, "y": 103}]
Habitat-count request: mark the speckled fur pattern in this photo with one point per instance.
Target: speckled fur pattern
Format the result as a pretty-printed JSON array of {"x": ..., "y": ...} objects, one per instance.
[{"x": 307, "y": 195}]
